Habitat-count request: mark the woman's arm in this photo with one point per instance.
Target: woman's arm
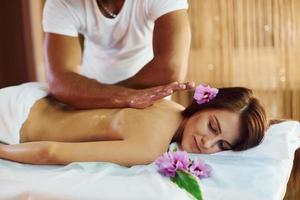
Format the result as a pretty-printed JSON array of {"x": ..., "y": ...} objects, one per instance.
[
  {"x": 32, "y": 152},
  {"x": 124, "y": 152}
]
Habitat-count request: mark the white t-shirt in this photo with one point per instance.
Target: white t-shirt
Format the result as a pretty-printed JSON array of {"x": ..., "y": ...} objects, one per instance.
[{"x": 114, "y": 49}]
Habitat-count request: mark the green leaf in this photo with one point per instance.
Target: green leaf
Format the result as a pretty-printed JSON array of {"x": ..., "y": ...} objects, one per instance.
[{"x": 189, "y": 183}]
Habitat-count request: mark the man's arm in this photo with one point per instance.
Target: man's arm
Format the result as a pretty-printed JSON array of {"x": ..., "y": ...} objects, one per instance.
[
  {"x": 171, "y": 44},
  {"x": 123, "y": 152},
  {"x": 63, "y": 57}
]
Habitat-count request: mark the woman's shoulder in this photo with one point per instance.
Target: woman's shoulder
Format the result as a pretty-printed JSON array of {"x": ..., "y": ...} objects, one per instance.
[
  {"x": 168, "y": 105},
  {"x": 162, "y": 118}
]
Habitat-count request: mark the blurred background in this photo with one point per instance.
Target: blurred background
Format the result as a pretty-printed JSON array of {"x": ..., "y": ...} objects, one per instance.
[{"x": 251, "y": 43}]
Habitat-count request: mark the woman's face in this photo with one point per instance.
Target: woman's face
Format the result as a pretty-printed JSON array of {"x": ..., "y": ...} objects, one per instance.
[{"x": 211, "y": 131}]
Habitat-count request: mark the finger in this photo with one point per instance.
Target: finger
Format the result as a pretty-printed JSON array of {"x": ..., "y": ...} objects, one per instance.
[
  {"x": 185, "y": 86},
  {"x": 161, "y": 94},
  {"x": 179, "y": 87},
  {"x": 163, "y": 88},
  {"x": 172, "y": 85},
  {"x": 136, "y": 104},
  {"x": 140, "y": 104},
  {"x": 190, "y": 85}
]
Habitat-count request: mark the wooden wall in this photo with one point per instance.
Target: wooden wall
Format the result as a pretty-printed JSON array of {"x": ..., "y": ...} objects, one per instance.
[{"x": 15, "y": 43}]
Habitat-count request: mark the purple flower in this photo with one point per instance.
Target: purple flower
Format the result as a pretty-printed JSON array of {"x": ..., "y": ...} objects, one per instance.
[
  {"x": 204, "y": 94},
  {"x": 200, "y": 169},
  {"x": 169, "y": 162}
]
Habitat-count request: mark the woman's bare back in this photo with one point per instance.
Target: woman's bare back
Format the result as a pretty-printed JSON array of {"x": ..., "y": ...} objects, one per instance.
[
  {"x": 56, "y": 134},
  {"x": 50, "y": 120}
]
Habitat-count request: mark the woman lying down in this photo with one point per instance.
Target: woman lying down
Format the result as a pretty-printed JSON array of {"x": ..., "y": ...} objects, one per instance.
[{"x": 36, "y": 129}]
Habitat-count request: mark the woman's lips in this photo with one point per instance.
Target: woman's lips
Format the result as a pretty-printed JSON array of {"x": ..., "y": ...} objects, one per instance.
[{"x": 196, "y": 144}]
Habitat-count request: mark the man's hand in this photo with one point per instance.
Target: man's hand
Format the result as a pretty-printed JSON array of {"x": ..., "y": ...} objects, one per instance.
[{"x": 146, "y": 97}]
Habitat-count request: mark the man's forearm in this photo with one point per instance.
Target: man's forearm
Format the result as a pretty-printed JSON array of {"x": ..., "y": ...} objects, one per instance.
[
  {"x": 84, "y": 93},
  {"x": 153, "y": 74}
]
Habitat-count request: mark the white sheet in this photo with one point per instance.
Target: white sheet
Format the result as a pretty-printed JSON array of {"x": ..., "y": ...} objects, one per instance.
[{"x": 260, "y": 173}]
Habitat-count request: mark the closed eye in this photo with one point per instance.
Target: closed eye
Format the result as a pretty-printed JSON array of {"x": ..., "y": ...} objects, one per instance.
[
  {"x": 210, "y": 126},
  {"x": 223, "y": 145}
]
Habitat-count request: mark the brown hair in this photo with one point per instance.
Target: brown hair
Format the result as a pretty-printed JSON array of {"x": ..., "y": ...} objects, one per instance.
[{"x": 237, "y": 99}]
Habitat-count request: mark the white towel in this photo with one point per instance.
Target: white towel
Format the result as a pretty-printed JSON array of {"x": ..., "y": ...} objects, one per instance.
[{"x": 15, "y": 104}]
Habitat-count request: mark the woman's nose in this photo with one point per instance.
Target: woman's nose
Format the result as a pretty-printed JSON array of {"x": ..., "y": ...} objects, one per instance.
[{"x": 208, "y": 141}]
